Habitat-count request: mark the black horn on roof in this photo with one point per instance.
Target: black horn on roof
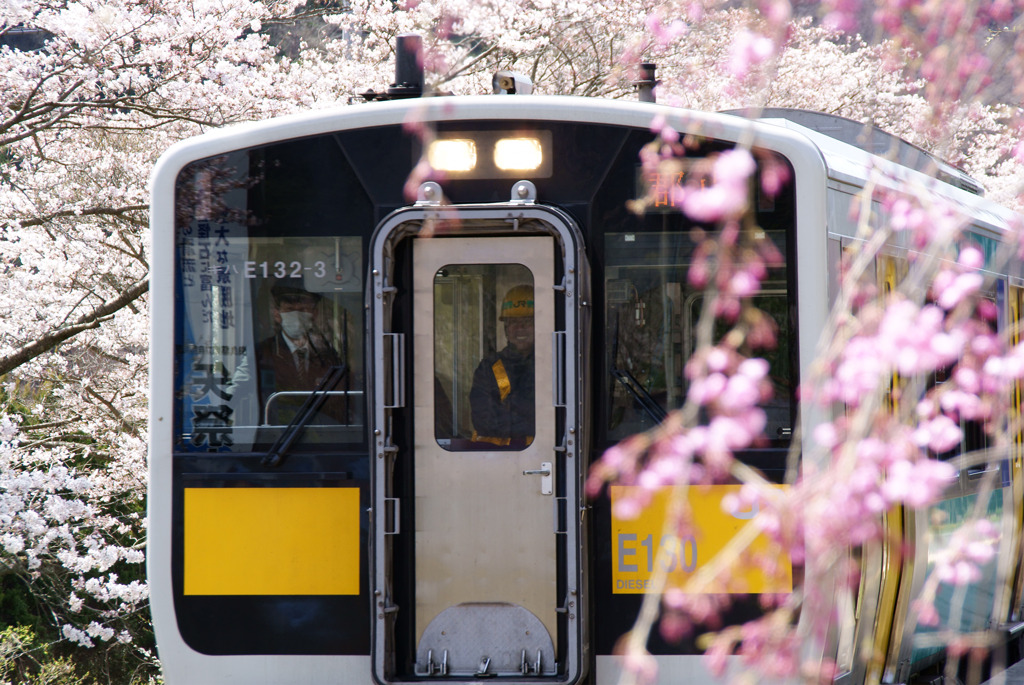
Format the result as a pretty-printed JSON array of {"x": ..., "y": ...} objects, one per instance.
[{"x": 408, "y": 67}]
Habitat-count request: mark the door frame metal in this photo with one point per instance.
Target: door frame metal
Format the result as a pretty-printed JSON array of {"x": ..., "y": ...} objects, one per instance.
[{"x": 386, "y": 349}]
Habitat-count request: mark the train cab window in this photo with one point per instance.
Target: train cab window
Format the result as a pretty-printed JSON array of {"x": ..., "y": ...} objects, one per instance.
[
  {"x": 271, "y": 343},
  {"x": 484, "y": 342},
  {"x": 771, "y": 302},
  {"x": 652, "y": 315}
]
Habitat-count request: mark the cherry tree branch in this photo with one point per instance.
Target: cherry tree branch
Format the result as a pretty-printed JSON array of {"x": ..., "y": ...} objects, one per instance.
[
  {"x": 84, "y": 323},
  {"x": 91, "y": 211}
]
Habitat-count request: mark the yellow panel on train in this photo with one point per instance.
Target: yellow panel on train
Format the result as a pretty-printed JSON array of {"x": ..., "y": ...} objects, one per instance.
[
  {"x": 272, "y": 541},
  {"x": 638, "y": 545}
]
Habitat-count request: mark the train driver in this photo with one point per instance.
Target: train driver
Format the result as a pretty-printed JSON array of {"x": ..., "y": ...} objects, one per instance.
[
  {"x": 502, "y": 395},
  {"x": 298, "y": 356}
]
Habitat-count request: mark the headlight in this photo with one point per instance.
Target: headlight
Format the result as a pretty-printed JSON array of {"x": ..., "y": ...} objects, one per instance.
[
  {"x": 452, "y": 154},
  {"x": 518, "y": 154}
]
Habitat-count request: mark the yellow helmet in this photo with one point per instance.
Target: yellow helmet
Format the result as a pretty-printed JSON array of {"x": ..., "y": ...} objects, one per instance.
[{"x": 518, "y": 303}]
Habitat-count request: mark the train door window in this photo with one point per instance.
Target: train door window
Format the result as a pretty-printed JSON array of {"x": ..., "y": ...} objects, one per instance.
[
  {"x": 270, "y": 339},
  {"x": 976, "y": 442},
  {"x": 484, "y": 357},
  {"x": 983, "y": 491}
]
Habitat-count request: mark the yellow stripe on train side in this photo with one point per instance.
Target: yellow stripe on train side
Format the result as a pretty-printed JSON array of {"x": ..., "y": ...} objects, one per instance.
[
  {"x": 272, "y": 541},
  {"x": 641, "y": 544}
]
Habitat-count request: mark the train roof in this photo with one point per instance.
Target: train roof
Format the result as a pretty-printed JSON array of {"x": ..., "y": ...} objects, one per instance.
[
  {"x": 842, "y": 149},
  {"x": 854, "y": 153},
  {"x": 464, "y": 108},
  {"x": 868, "y": 138}
]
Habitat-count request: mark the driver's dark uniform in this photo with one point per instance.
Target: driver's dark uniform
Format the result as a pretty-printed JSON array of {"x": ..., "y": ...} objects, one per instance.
[
  {"x": 502, "y": 399},
  {"x": 282, "y": 370}
]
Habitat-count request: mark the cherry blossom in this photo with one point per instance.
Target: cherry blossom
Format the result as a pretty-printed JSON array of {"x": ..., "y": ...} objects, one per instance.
[
  {"x": 83, "y": 121},
  {"x": 882, "y": 352}
]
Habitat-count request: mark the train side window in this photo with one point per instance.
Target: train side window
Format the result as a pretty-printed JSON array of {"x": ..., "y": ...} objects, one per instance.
[
  {"x": 975, "y": 442},
  {"x": 484, "y": 372}
]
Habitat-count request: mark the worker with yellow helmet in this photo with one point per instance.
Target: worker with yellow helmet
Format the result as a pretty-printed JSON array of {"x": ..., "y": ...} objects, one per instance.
[{"x": 502, "y": 396}]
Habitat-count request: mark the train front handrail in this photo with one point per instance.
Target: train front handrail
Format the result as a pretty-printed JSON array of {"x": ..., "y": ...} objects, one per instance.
[{"x": 306, "y": 393}]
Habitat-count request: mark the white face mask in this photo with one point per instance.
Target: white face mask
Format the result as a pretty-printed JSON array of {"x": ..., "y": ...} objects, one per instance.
[{"x": 296, "y": 324}]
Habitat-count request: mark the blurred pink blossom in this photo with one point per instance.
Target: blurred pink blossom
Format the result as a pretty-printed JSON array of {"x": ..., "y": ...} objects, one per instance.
[
  {"x": 749, "y": 49},
  {"x": 665, "y": 33},
  {"x": 917, "y": 484}
]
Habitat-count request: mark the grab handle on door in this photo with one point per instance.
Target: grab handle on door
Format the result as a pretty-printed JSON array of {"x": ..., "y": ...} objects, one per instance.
[
  {"x": 545, "y": 477},
  {"x": 558, "y": 369},
  {"x": 397, "y": 386}
]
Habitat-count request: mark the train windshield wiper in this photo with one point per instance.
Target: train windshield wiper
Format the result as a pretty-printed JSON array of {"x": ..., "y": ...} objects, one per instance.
[
  {"x": 650, "y": 405},
  {"x": 276, "y": 455},
  {"x": 643, "y": 398}
]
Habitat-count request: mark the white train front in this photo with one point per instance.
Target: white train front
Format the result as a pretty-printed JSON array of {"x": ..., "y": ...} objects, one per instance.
[{"x": 341, "y": 514}]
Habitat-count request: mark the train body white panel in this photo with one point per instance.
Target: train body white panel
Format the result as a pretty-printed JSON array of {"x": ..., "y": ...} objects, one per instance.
[{"x": 199, "y": 669}]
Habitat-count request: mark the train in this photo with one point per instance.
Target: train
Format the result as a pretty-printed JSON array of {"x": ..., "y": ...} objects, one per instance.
[{"x": 332, "y": 498}]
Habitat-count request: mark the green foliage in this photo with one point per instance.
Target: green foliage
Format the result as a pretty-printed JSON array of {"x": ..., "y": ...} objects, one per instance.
[
  {"x": 40, "y": 602},
  {"x": 25, "y": 660},
  {"x": 17, "y": 604}
]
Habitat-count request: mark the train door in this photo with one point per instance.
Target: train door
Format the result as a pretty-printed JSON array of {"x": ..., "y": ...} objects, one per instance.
[
  {"x": 485, "y": 544},
  {"x": 477, "y": 567}
]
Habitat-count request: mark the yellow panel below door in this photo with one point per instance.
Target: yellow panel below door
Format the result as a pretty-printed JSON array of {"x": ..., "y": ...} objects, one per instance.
[{"x": 272, "y": 541}]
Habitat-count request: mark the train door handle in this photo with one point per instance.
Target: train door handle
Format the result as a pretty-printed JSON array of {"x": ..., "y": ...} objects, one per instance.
[{"x": 545, "y": 477}]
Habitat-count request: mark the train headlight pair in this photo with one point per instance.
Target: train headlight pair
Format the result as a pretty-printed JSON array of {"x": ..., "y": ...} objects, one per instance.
[{"x": 482, "y": 157}]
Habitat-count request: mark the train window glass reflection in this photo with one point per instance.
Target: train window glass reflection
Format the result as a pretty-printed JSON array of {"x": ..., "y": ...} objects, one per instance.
[
  {"x": 268, "y": 339},
  {"x": 651, "y": 314},
  {"x": 484, "y": 339},
  {"x": 644, "y": 297},
  {"x": 767, "y": 314},
  {"x": 980, "y": 461}
]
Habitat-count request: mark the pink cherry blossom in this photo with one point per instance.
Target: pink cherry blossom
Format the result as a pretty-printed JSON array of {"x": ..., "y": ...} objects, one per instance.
[
  {"x": 916, "y": 483},
  {"x": 726, "y": 197},
  {"x": 749, "y": 50},
  {"x": 665, "y": 33},
  {"x": 82, "y": 122}
]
